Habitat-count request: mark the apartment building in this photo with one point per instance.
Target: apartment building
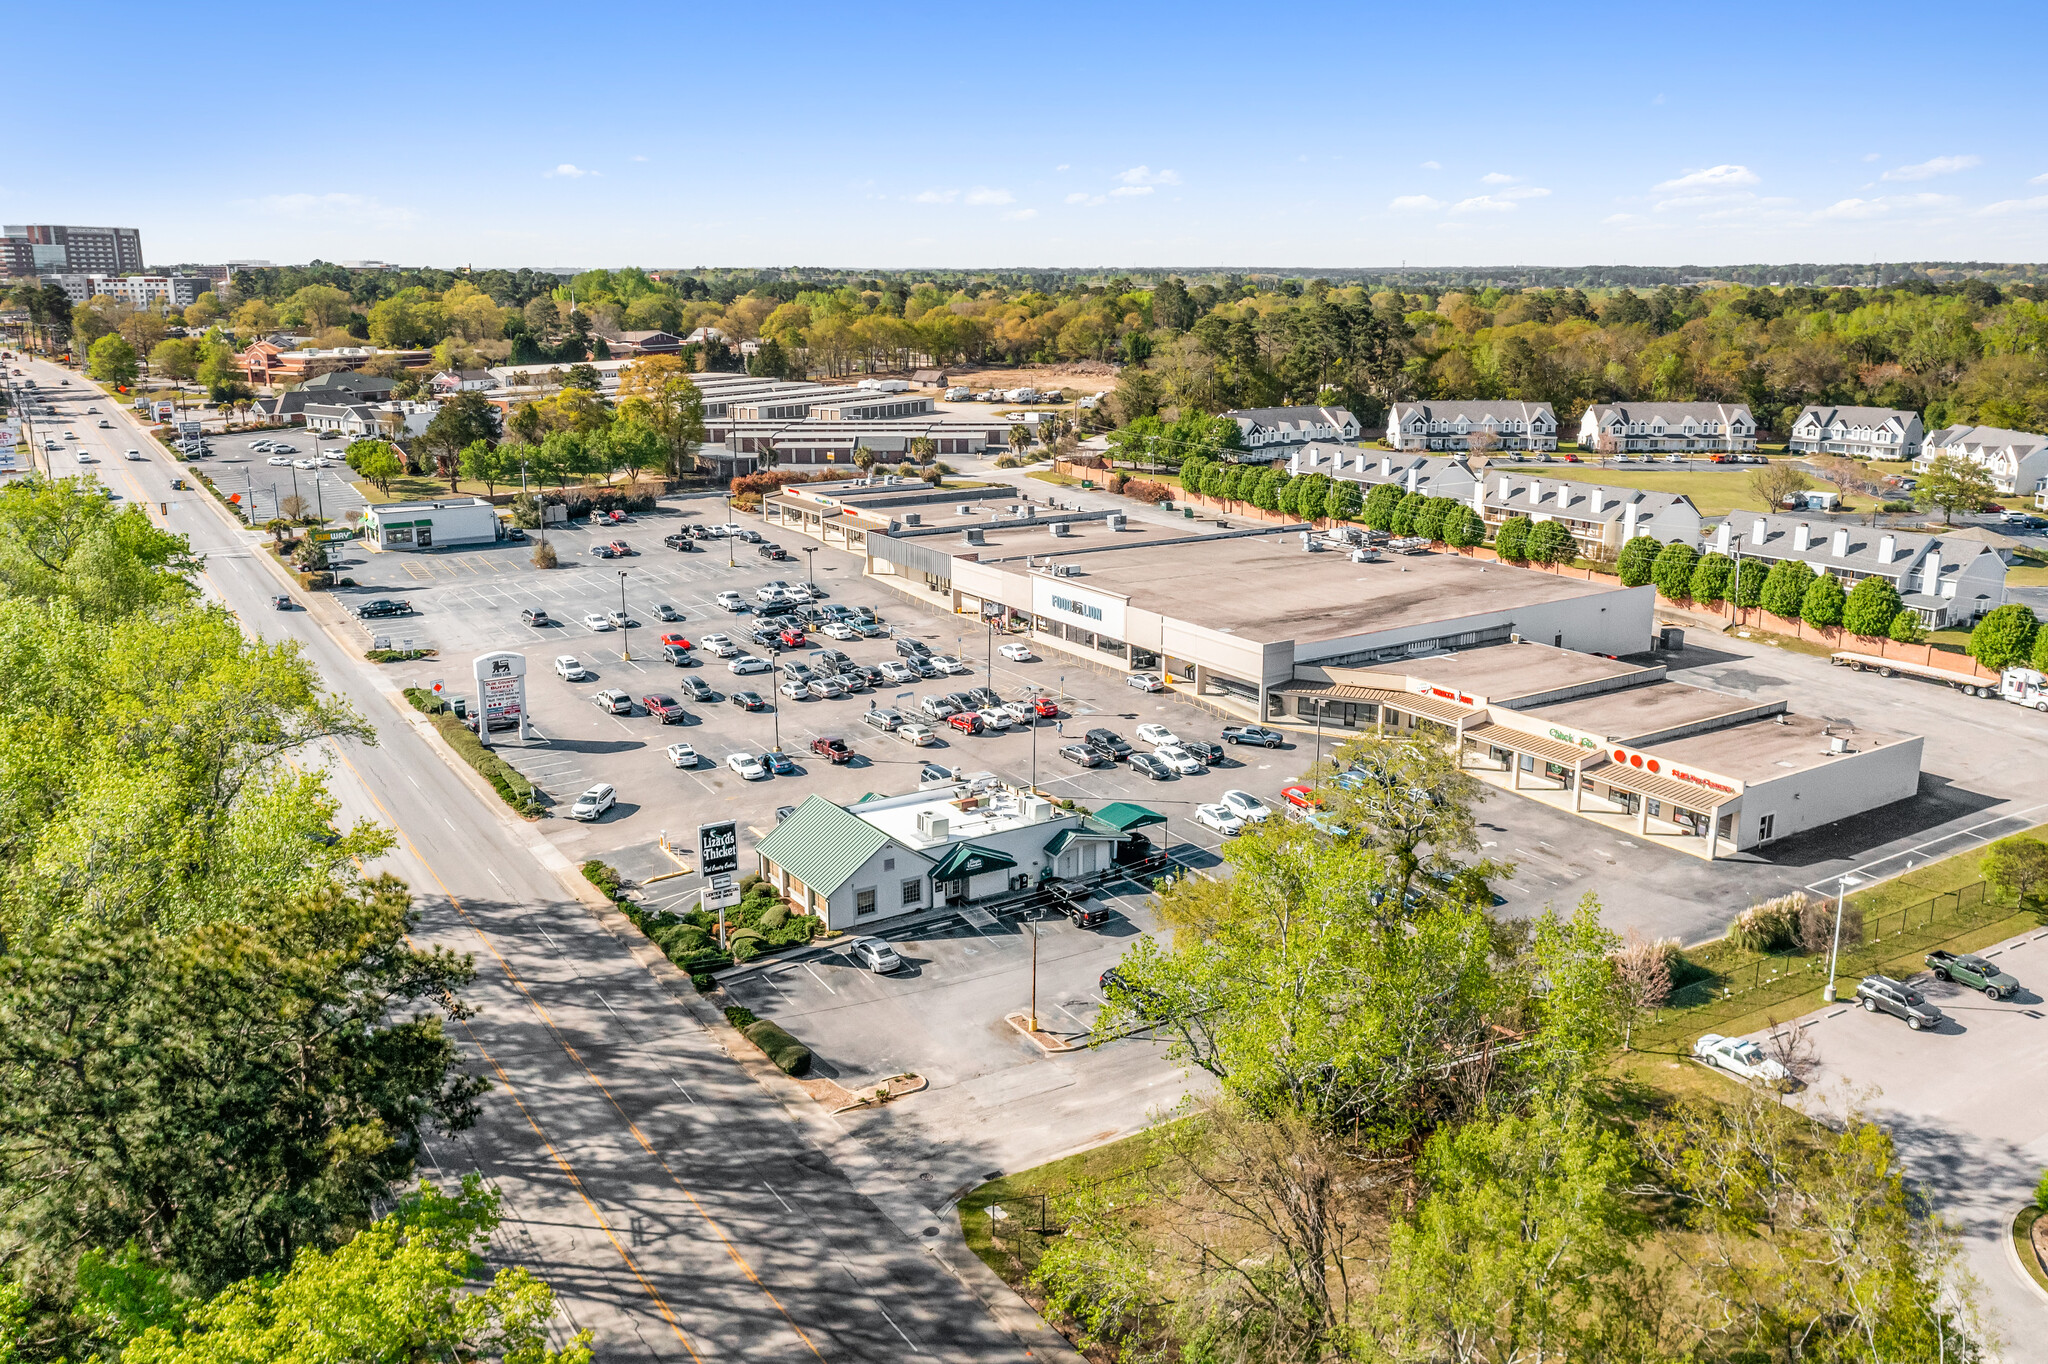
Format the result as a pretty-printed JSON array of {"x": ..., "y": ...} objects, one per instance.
[
  {"x": 138, "y": 291},
  {"x": 1510, "y": 423},
  {"x": 48, "y": 248},
  {"x": 1858, "y": 432},
  {"x": 1260, "y": 427},
  {"x": 1946, "y": 579},
  {"x": 1669, "y": 428},
  {"x": 2016, "y": 460}
]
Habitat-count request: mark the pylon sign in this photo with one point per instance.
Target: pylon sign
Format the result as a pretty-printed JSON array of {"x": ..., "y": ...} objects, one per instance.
[{"x": 500, "y": 692}]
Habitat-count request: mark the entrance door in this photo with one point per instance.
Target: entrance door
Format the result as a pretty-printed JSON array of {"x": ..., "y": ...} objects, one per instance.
[
  {"x": 956, "y": 892},
  {"x": 426, "y": 537}
]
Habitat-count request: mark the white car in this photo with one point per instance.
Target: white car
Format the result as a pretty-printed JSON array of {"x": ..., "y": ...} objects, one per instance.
[
  {"x": 1146, "y": 681},
  {"x": 617, "y": 618},
  {"x": 915, "y": 734},
  {"x": 1220, "y": 818},
  {"x": 279, "y": 462},
  {"x": 795, "y": 690},
  {"x": 994, "y": 717},
  {"x": 732, "y": 601},
  {"x": 1016, "y": 653},
  {"x": 598, "y": 620},
  {"x": 1157, "y": 735},
  {"x": 594, "y": 802},
  {"x": 1021, "y": 712},
  {"x": 1178, "y": 758},
  {"x": 570, "y": 668},
  {"x": 949, "y": 664},
  {"x": 304, "y": 464},
  {"x": 682, "y": 755},
  {"x": 134, "y": 454},
  {"x": 84, "y": 458},
  {"x": 899, "y": 673},
  {"x": 876, "y": 955},
  {"x": 746, "y": 665},
  {"x": 1247, "y": 806},
  {"x": 769, "y": 592},
  {"x": 747, "y": 765},
  {"x": 722, "y": 645},
  {"x": 1739, "y": 1056},
  {"x": 839, "y": 629}
]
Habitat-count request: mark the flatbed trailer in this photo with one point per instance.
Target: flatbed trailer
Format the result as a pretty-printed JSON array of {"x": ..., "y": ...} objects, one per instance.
[{"x": 1969, "y": 684}]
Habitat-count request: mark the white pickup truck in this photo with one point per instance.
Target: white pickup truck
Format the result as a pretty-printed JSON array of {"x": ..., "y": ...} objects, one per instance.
[{"x": 2021, "y": 686}]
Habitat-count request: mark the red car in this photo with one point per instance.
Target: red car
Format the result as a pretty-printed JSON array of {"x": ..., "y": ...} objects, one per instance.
[
  {"x": 1300, "y": 797},
  {"x": 678, "y": 641},
  {"x": 793, "y": 638},
  {"x": 1569, "y": 459},
  {"x": 1047, "y": 708},
  {"x": 832, "y": 750},
  {"x": 664, "y": 708},
  {"x": 966, "y": 721},
  {"x": 621, "y": 548}
]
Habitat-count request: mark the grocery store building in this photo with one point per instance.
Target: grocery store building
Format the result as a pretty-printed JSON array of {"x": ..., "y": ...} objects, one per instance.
[{"x": 440, "y": 524}]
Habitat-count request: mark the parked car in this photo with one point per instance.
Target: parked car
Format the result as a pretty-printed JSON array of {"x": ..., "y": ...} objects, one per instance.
[
  {"x": 1020, "y": 712},
  {"x": 676, "y": 641},
  {"x": 699, "y": 689},
  {"x": 748, "y": 700},
  {"x": 826, "y": 688},
  {"x": 908, "y": 647},
  {"x": 1081, "y": 755},
  {"x": 1016, "y": 653},
  {"x": 666, "y": 612},
  {"x": 613, "y": 702},
  {"x": 1154, "y": 767},
  {"x": 680, "y": 541},
  {"x": 1966, "y": 968},
  {"x": 618, "y": 618},
  {"x": 570, "y": 668},
  {"x": 966, "y": 721},
  {"x": 937, "y": 707},
  {"x": 682, "y": 755},
  {"x": 794, "y": 690},
  {"x": 597, "y": 620},
  {"x": 1178, "y": 758},
  {"x": 1739, "y": 1056},
  {"x": 1883, "y": 994},
  {"x": 876, "y": 955},
  {"x": 594, "y": 802},
  {"x": 1146, "y": 681},
  {"x": 1221, "y": 818},
  {"x": 1047, "y": 708},
  {"x": 915, "y": 734},
  {"x": 839, "y": 629},
  {"x": 383, "y": 606},
  {"x": 1109, "y": 742},
  {"x": 1079, "y": 905},
  {"x": 831, "y": 749},
  {"x": 720, "y": 644},
  {"x": 1156, "y": 735},
  {"x": 778, "y": 762},
  {"x": 678, "y": 654},
  {"x": 1207, "y": 753},
  {"x": 994, "y": 718},
  {"x": 746, "y": 665},
  {"x": 1253, "y": 734},
  {"x": 747, "y": 766},
  {"x": 664, "y": 708},
  {"x": 793, "y": 638},
  {"x": 1247, "y": 806},
  {"x": 535, "y": 617},
  {"x": 731, "y": 601}
]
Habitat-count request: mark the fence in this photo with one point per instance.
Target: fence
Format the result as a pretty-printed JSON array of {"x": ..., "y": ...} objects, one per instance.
[{"x": 1885, "y": 933}]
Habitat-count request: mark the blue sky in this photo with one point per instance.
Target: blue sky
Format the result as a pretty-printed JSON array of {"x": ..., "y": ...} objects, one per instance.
[{"x": 1292, "y": 135}]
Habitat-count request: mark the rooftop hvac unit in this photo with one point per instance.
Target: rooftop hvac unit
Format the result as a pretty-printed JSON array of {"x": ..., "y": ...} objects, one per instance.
[
  {"x": 1308, "y": 543},
  {"x": 975, "y": 537},
  {"x": 1117, "y": 520},
  {"x": 1026, "y": 512},
  {"x": 931, "y": 825},
  {"x": 1036, "y": 808},
  {"x": 1837, "y": 744},
  {"x": 1058, "y": 529},
  {"x": 965, "y": 509},
  {"x": 912, "y": 519}
]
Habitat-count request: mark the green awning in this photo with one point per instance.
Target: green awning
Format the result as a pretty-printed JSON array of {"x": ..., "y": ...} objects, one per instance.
[
  {"x": 1125, "y": 817},
  {"x": 1086, "y": 829},
  {"x": 970, "y": 859}
]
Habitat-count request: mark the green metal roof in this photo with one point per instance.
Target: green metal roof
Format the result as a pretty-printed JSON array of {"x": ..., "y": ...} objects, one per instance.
[
  {"x": 821, "y": 844},
  {"x": 1086, "y": 829},
  {"x": 1123, "y": 816},
  {"x": 970, "y": 859}
]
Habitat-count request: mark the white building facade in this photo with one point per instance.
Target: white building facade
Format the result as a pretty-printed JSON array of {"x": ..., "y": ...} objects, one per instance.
[
  {"x": 2016, "y": 460},
  {"x": 1858, "y": 432},
  {"x": 1669, "y": 428},
  {"x": 1511, "y": 423}
]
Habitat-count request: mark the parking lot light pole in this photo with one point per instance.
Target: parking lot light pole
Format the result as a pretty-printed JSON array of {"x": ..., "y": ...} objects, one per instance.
[
  {"x": 810, "y": 565},
  {"x": 625, "y": 621},
  {"x": 1842, "y": 885}
]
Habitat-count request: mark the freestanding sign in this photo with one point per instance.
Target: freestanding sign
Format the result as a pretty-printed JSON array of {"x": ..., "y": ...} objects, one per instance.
[
  {"x": 718, "y": 848},
  {"x": 500, "y": 692}
]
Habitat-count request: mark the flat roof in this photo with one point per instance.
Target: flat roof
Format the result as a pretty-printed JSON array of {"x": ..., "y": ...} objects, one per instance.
[
  {"x": 1008, "y": 539},
  {"x": 1276, "y": 591},
  {"x": 1502, "y": 672},
  {"x": 1631, "y": 712},
  {"x": 997, "y": 811},
  {"x": 1764, "y": 750}
]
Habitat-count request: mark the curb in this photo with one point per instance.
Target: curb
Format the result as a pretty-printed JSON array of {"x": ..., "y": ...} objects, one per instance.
[{"x": 2012, "y": 1257}]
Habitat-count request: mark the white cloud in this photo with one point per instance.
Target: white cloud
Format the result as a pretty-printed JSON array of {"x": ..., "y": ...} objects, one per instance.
[
  {"x": 1416, "y": 201},
  {"x": 1145, "y": 175},
  {"x": 639, "y": 158},
  {"x": 1432, "y": 165},
  {"x": 1620, "y": 219},
  {"x": 1713, "y": 177},
  {"x": 1496, "y": 178},
  {"x": 982, "y": 196},
  {"x": 1927, "y": 170},
  {"x": 2004, "y": 206},
  {"x": 1061, "y": 168},
  {"x": 1130, "y": 191},
  {"x": 2039, "y": 180},
  {"x": 1525, "y": 192},
  {"x": 1018, "y": 215},
  {"x": 337, "y": 208},
  {"x": 569, "y": 171},
  {"x": 935, "y": 196},
  {"x": 1484, "y": 203},
  {"x": 1856, "y": 208},
  {"x": 1870, "y": 156},
  {"x": 1078, "y": 197}
]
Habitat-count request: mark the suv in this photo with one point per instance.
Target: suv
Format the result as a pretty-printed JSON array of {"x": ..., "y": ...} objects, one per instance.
[
  {"x": 938, "y": 707},
  {"x": 1896, "y": 997},
  {"x": 881, "y": 717},
  {"x": 1108, "y": 743},
  {"x": 1253, "y": 734},
  {"x": 1972, "y": 971},
  {"x": 698, "y": 688},
  {"x": 967, "y": 722},
  {"x": 664, "y": 708},
  {"x": 907, "y": 647},
  {"x": 832, "y": 750},
  {"x": 535, "y": 616}
]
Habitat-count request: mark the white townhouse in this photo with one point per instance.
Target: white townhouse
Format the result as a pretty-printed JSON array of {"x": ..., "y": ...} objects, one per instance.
[
  {"x": 1658, "y": 428},
  {"x": 1858, "y": 432},
  {"x": 1946, "y": 579},
  {"x": 2016, "y": 460},
  {"x": 1263, "y": 426},
  {"x": 1515, "y": 425}
]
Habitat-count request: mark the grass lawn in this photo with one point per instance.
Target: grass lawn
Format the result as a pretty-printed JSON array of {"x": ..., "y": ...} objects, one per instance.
[
  {"x": 1090, "y": 1166},
  {"x": 1715, "y": 494},
  {"x": 2028, "y": 569}
]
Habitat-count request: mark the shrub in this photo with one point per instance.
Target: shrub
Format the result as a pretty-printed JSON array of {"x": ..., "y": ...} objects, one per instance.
[
  {"x": 510, "y": 784},
  {"x": 704, "y": 983},
  {"x": 1823, "y": 603},
  {"x": 739, "y": 1016},
  {"x": 2017, "y": 866},
  {"x": 544, "y": 556},
  {"x": 774, "y": 917},
  {"x": 1550, "y": 542},
  {"x": 1636, "y": 560},
  {"x": 681, "y": 940},
  {"x": 1149, "y": 492},
  {"x": 1380, "y": 504},
  {"x": 746, "y": 949},
  {"x": 1770, "y": 925},
  {"x": 1116, "y": 481},
  {"x": 1814, "y": 927},
  {"x": 790, "y": 1056},
  {"x": 1908, "y": 629},
  {"x": 604, "y": 876},
  {"x": 1673, "y": 570},
  {"x": 1872, "y": 605},
  {"x": 1511, "y": 541},
  {"x": 1785, "y": 588},
  {"x": 1710, "y": 578}
]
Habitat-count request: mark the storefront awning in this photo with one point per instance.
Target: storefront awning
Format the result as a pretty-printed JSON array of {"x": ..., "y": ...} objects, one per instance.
[
  {"x": 1086, "y": 830},
  {"x": 1669, "y": 790},
  {"x": 1536, "y": 745},
  {"x": 970, "y": 859},
  {"x": 1124, "y": 817}
]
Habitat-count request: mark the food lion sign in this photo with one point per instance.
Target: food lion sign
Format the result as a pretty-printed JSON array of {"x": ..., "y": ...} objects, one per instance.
[{"x": 500, "y": 691}]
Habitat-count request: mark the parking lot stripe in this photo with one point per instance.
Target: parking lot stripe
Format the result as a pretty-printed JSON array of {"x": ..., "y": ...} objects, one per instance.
[{"x": 820, "y": 979}]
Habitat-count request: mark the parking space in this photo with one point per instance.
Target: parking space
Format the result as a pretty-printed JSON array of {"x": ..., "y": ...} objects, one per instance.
[
  {"x": 237, "y": 468},
  {"x": 1968, "y": 1105}
]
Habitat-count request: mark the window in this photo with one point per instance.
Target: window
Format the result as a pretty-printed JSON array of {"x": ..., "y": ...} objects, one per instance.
[
  {"x": 888, "y": 864},
  {"x": 1764, "y": 824},
  {"x": 863, "y": 902},
  {"x": 398, "y": 535},
  {"x": 913, "y": 892}
]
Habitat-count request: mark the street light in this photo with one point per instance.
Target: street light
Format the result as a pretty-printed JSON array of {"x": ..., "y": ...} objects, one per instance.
[
  {"x": 810, "y": 565},
  {"x": 1842, "y": 884},
  {"x": 625, "y": 620}
]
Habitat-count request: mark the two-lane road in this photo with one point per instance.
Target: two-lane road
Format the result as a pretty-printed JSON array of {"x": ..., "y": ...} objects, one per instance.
[{"x": 669, "y": 1198}]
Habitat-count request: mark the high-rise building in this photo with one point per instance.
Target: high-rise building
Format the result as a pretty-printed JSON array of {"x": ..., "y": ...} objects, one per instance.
[{"x": 45, "y": 248}]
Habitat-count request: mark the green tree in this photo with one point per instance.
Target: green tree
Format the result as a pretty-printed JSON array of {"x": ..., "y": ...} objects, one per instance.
[
  {"x": 1406, "y": 511},
  {"x": 1872, "y": 606},
  {"x": 2017, "y": 866},
  {"x": 1711, "y": 578},
  {"x": 1308, "y": 503},
  {"x": 2004, "y": 636},
  {"x": 1551, "y": 542},
  {"x": 1511, "y": 541},
  {"x": 1954, "y": 485},
  {"x": 1636, "y": 560},
  {"x": 176, "y": 359},
  {"x": 1785, "y": 588},
  {"x": 1266, "y": 496},
  {"x": 1380, "y": 504},
  {"x": 112, "y": 361},
  {"x": 401, "y": 1289},
  {"x": 2040, "y": 659},
  {"x": 1287, "y": 497},
  {"x": 1748, "y": 578},
  {"x": 489, "y": 465},
  {"x": 1409, "y": 800},
  {"x": 1343, "y": 502},
  {"x": 1463, "y": 528},
  {"x": 1429, "y": 521},
  {"x": 1672, "y": 572},
  {"x": 465, "y": 418},
  {"x": 60, "y": 541},
  {"x": 1824, "y": 603},
  {"x": 631, "y": 446},
  {"x": 1906, "y": 628}
]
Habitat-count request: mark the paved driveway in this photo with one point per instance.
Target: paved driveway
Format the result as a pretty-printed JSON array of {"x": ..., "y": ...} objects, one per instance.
[{"x": 1968, "y": 1105}]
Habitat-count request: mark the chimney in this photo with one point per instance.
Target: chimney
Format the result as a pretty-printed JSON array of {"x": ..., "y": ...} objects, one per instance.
[
  {"x": 1802, "y": 536},
  {"x": 1930, "y": 573},
  {"x": 1479, "y": 496},
  {"x": 1757, "y": 530},
  {"x": 1887, "y": 548},
  {"x": 1721, "y": 536},
  {"x": 1838, "y": 545},
  {"x": 1535, "y": 493},
  {"x": 1386, "y": 466},
  {"x": 1413, "y": 474},
  {"x": 1507, "y": 487},
  {"x": 1628, "y": 521},
  {"x": 1598, "y": 495},
  {"x": 1294, "y": 462}
]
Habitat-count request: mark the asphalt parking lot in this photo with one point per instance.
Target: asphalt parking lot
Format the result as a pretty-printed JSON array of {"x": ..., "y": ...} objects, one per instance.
[
  {"x": 1968, "y": 1105},
  {"x": 235, "y": 468}
]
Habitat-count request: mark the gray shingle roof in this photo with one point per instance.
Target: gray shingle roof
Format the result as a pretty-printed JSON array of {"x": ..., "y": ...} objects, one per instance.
[
  {"x": 1855, "y": 416},
  {"x": 1672, "y": 413},
  {"x": 1473, "y": 410},
  {"x": 1997, "y": 437},
  {"x": 1861, "y": 556},
  {"x": 821, "y": 844}
]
